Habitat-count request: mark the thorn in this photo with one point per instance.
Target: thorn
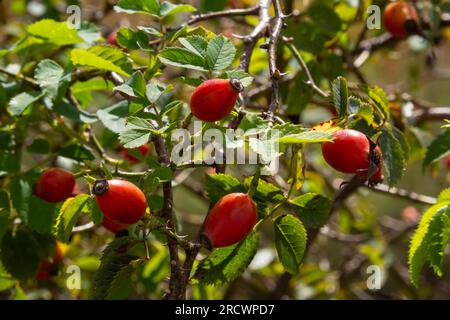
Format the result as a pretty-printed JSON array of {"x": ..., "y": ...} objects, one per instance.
[
  {"x": 343, "y": 183},
  {"x": 276, "y": 74},
  {"x": 238, "y": 36}
]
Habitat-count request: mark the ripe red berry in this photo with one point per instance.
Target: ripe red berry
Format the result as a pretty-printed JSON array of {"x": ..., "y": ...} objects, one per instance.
[
  {"x": 112, "y": 39},
  {"x": 47, "y": 267},
  {"x": 120, "y": 200},
  {"x": 143, "y": 150},
  {"x": 214, "y": 99},
  {"x": 112, "y": 226},
  {"x": 230, "y": 220},
  {"x": 55, "y": 185},
  {"x": 447, "y": 161},
  {"x": 400, "y": 19},
  {"x": 350, "y": 152}
]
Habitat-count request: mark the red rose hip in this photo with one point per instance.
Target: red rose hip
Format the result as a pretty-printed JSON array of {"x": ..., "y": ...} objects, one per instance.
[
  {"x": 350, "y": 152},
  {"x": 214, "y": 99},
  {"x": 400, "y": 19},
  {"x": 230, "y": 220},
  {"x": 112, "y": 226},
  {"x": 55, "y": 185},
  {"x": 49, "y": 267},
  {"x": 112, "y": 39},
  {"x": 120, "y": 201}
]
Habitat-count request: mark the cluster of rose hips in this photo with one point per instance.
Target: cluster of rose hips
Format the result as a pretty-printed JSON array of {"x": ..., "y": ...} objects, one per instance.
[
  {"x": 234, "y": 215},
  {"x": 123, "y": 203}
]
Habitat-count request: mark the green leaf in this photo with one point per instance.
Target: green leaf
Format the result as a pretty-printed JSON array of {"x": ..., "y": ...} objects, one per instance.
[
  {"x": 154, "y": 271},
  {"x": 305, "y": 137},
  {"x": 41, "y": 216},
  {"x": 58, "y": 33},
  {"x": 20, "y": 254},
  {"x": 267, "y": 149},
  {"x": 94, "y": 84},
  {"x": 122, "y": 284},
  {"x": 366, "y": 113},
  {"x": 93, "y": 211},
  {"x": 4, "y": 215},
  {"x": 245, "y": 78},
  {"x": 219, "y": 53},
  {"x": 134, "y": 87},
  {"x": 429, "y": 240},
  {"x": 168, "y": 9},
  {"x": 51, "y": 77},
  {"x": 9, "y": 162},
  {"x": 219, "y": 185},
  {"x": 137, "y": 132},
  {"x": 379, "y": 97},
  {"x": 68, "y": 216},
  {"x": 21, "y": 191},
  {"x": 18, "y": 294},
  {"x": 103, "y": 58},
  {"x": 444, "y": 195},
  {"x": 265, "y": 191},
  {"x": 133, "y": 40},
  {"x": 393, "y": 156},
  {"x": 155, "y": 91},
  {"x": 6, "y": 140},
  {"x": 150, "y": 7},
  {"x": 290, "y": 241},
  {"x": 226, "y": 264},
  {"x": 39, "y": 146},
  {"x": 196, "y": 44},
  {"x": 151, "y": 31},
  {"x": 6, "y": 280},
  {"x": 312, "y": 208},
  {"x": 183, "y": 58},
  {"x": 72, "y": 112},
  {"x": 19, "y": 103},
  {"x": 89, "y": 32},
  {"x": 325, "y": 19},
  {"x": 437, "y": 149},
  {"x": 113, "y": 117},
  {"x": 354, "y": 104},
  {"x": 77, "y": 152},
  {"x": 163, "y": 173},
  {"x": 254, "y": 121},
  {"x": 340, "y": 96},
  {"x": 114, "y": 259}
]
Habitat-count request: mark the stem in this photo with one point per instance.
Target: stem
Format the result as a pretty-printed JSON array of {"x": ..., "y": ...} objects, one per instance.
[
  {"x": 26, "y": 79},
  {"x": 226, "y": 13},
  {"x": 251, "y": 39},
  {"x": 275, "y": 74},
  {"x": 249, "y": 45},
  {"x": 167, "y": 213},
  {"x": 255, "y": 180},
  {"x": 300, "y": 60}
]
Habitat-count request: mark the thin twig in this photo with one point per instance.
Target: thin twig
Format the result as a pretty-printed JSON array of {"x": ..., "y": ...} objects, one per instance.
[
  {"x": 221, "y": 14},
  {"x": 275, "y": 74},
  {"x": 26, "y": 79},
  {"x": 300, "y": 60},
  {"x": 167, "y": 213},
  {"x": 251, "y": 39}
]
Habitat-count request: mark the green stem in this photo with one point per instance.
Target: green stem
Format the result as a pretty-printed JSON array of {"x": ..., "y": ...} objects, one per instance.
[
  {"x": 26, "y": 79},
  {"x": 255, "y": 181}
]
